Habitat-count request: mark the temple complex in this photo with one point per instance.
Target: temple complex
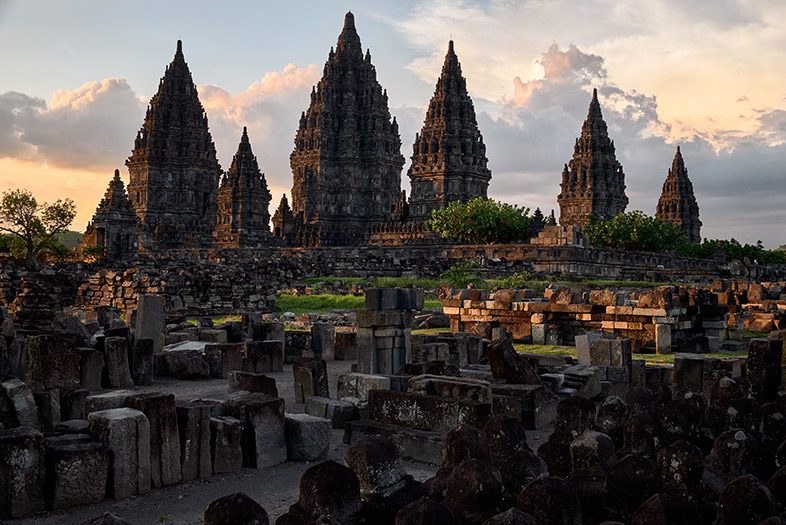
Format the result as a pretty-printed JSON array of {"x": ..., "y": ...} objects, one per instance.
[
  {"x": 448, "y": 157},
  {"x": 677, "y": 203},
  {"x": 593, "y": 182},
  {"x": 243, "y": 200},
  {"x": 113, "y": 229},
  {"x": 173, "y": 166},
  {"x": 346, "y": 165}
]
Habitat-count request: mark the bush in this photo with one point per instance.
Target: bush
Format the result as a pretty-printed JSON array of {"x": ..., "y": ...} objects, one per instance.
[
  {"x": 516, "y": 281},
  {"x": 481, "y": 221},
  {"x": 634, "y": 231},
  {"x": 462, "y": 274}
]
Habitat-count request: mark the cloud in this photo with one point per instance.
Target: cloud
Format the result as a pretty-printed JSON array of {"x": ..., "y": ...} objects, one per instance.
[{"x": 89, "y": 127}]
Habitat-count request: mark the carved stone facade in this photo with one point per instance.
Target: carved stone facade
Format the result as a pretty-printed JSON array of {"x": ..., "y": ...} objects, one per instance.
[
  {"x": 173, "y": 166},
  {"x": 346, "y": 165},
  {"x": 115, "y": 227},
  {"x": 593, "y": 182},
  {"x": 677, "y": 203},
  {"x": 448, "y": 157},
  {"x": 243, "y": 200}
]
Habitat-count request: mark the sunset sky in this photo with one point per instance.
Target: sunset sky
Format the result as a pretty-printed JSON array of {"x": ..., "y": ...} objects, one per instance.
[{"x": 707, "y": 75}]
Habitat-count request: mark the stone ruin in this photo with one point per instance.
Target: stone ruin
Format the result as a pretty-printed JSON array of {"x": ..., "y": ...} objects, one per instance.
[{"x": 512, "y": 437}]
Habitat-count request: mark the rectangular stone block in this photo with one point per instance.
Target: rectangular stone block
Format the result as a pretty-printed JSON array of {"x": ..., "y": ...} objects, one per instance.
[
  {"x": 263, "y": 357},
  {"x": 764, "y": 368},
  {"x": 308, "y": 437},
  {"x": 126, "y": 434},
  {"x": 335, "y": 410},
  {"x": 251, "y": 382},
  {"x": 116, "y": 371},
  {"x": 451, "y": 387},
  {"x": 25, "y": 408},
  {"x": 688, "y": 373},
  {"x": 418, "y": 445},
  {"x": 224, "y": 358},
  {"x": 359, "y": 385},
  {"x": 323, "y": 341},
  {"x": 225, "y": 444},
  {"x": 21, "y": 472},
  {"x": 267, "y": 331},
  {"x": 663, "y": 338},
  {"x": 140, "y": 361},
  {"x": 150, "y": 320},
  {"x": 161, "y": 412},
  {"x": 310, "y": 379},
  {"x": 52, "y": 361},
  {"x": 77, "y": 470},
  {"x": 264, "y": 438},
  {"x": 297, "y": 344},
  {"x": 193, "y": 421},
  {"x": 48, "y": 402},
  {"x": 91, "y": 368},
  {"x": 538, "y": 403},
  {"x": 107, "y": 400},
  {"x": 72, "y": 403},
  {"x": 346, "y": 346},
  {"x": 424, "y": 412}
]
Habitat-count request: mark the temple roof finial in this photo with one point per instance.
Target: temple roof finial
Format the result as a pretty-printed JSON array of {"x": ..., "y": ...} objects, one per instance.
[
  {"x": 179, "y": 47},
  {"x": 349, "y": 20}
]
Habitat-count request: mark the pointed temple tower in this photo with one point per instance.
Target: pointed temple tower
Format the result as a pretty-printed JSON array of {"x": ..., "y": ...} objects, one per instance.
[
  {"x": 282, "y": 219},
  {"x": 677, "y": 203},
  {"x": 173, "y": 167},
  {"x": 114, "y": 228},
  {"x": 593, "y": 182},
  {"x": 448, "y": 158},
  {"x": 346, "y": 165},
  {"x": 243, "y": 199}
]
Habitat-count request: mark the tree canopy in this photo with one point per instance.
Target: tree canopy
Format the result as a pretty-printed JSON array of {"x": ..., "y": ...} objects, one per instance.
[
  {"x": 34, "y": 227},
  {"x": 481, "y": 221}
]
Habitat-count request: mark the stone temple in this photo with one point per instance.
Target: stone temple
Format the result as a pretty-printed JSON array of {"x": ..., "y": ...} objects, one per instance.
[
  {"x": 593, "y": 182},
  {"x": 448, "y": 157},
  {"x": 243, "y": 201},
  {"x": 677, "y": 203},
  {"x": 346, "y": 165},
  {"x": 114, "y": 227},
  {"x": 173, "y": 166}
]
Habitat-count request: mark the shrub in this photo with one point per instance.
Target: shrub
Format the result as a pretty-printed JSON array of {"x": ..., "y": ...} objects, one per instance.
[{"x": 481, "y": 221}]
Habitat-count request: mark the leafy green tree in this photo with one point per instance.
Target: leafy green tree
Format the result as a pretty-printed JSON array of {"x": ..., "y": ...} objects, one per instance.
[
  {"x": 634, "y": 231},
  {"x": 481, "y": 221},
  {"x": 34, "y": 226}
]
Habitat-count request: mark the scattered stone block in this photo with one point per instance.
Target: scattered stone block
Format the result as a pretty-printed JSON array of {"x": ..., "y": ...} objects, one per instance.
[
  {"x": 106, "y": 518},
  {"x": 226, "y": 450},
  {"x": 264, "y": 436},
  {"x": 52, "y": 362},
  {"x": 21, "y": 472},
  {"x": 359, "y": 385},
  {"x": 310, "y": 379},
  {"x": 224, "y": 358},
  {"x": 308, "y": 437},
  {"x": 91, "y": 368},
  {"x": 508, "y": 365},
  {"x": 688, "y": 373},
  {"x": 107, "y": 401},
  {"x": 150, "y": 320},
  {"x": 72, "y": 403},
  {"x": 183, "y": 364},
  {"x": 21, "y": 398},
  {"x": 237, "y": 509},
  {"x": 213, "y": 336},
  {"x": 452, "y": 387},
  {"x": 323, "y": 341},
  {"x": 764, "y": 368},
  {"x": 141, "y": 361},
  {"x": 116, "y": 371},
  {"x": 48, "y": 402},
  {"x": 424, "y": 412},
  {"x": 76, "y": 472},
  {"x": 251, "y": 382},
  {"x": 263, "y": 357},
  {"x": 346, "y": 346},
  {"x": 193, "y": 421},
  {"x": 337, "y": 411},
  {"x": 161, "y": 413},
  {"x": 126, "y": 434}
]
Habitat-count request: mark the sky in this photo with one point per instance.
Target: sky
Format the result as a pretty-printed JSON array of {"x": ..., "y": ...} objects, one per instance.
[{"x": 708, "y": 75}]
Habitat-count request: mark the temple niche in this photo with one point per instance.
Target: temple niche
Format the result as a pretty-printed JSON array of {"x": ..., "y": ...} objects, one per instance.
[
  {"x": 593, "y": 182},
  {"x": 448, "y": 157},
  {"x": 677, "y": 203},
  {"x": 173, "y": 166},
  {"x": 114, "y": 228},
  {"x": 346, "y": 164},
  {"x": 243, "y": 199}
]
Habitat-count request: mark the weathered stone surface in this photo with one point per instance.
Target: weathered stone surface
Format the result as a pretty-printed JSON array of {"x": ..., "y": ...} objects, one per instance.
[
  {"x": 744, "y": 500},
  {"x": 106, "y": 519},
  {"x": 677, "y": 203},
  {"x": 508, "y": 365},
  {"x": 161, "y": 413},
  {"x": 226, "y": 448},
  {"x": 126, "y": 434},
  {"x": 631, "y": 481},
  {"x": 237, "y": 509},
  {"x": 764, "y": 368},
  {"x": 505, "y": 437},
  {"x": 23, "y": 402},
  {"x": 264, "y": 356},
  {"x": 76, "y": 472},
  {"x": 224, "y": 358},
  {"x": 52, "y": 361},
  {"x": 141, "y": 361},
  {"x": 193, "y": 421},
  {"x": 512, "y": 516},
  {"x": 474, "y": 491},
  {"x": 308, "y": 437},
  {"x": 460, "y": 388},
  {"x": 21, "y": 472},
  {"x": 310, "y": 377},
  {"x": 91, "y": 365},
  {"x": 150, "y": 320},
  {"x": 264, "y": 437},
  {"x": 337, "y": 411},
  {"x": 681, "y": 466},
  {"x": 323, "y": 341},
  {"x": 550, "y": 500},
  {"x": 251, "y": 382},
  {"x": 424, "y": 511},
  {"x": 107, "y": 400},
  {"x": 359, "y": 385},
  {"x": 183, "y": 364},
  {"x": 424, "y": 412},
  {"x": 48, "y": 402},
  {"x": 116, "y": 371},
  {"x": 330, "y": 489}
]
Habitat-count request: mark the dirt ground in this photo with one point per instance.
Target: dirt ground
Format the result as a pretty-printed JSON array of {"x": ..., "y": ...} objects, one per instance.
[{"x": 274, "y": 488}]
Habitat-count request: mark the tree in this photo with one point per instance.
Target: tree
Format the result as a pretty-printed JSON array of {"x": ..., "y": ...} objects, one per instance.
[
  {"x": 481, "y": 221},
  {"x": 634, "y": 231},
  {"x": 33, "y": 225}
]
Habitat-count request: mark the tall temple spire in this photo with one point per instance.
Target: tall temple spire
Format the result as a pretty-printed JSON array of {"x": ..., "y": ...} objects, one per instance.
[
  {"x": 113, "y": 229},
  {"x": 173, "y": 166},
  {"x": 677, "y": 203},
  {"x": 448, "y": 157},
  {"x": 346, "y": 164},
  {"x": 243, "y": 200},
  {"x": 593, "y": 182}
]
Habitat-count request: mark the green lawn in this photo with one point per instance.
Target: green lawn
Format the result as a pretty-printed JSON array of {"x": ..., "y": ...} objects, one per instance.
[
  {"x": 652, "y": 359},
  {"x": 319, "y": 303},
  {"x": 331, "y": 279}
]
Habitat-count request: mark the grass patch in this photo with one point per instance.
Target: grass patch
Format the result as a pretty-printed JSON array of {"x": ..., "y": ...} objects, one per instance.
[
  {"x": 651, "y": 359},
  {"x": 318, "y": 303},
  {"x": 405, "y": 282},
  {"x": 432, "y": 303},
  {"x": 755, "y": 335},
  {"x": 331, "y": 279},
  {"x": 429, "y": 331}
]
